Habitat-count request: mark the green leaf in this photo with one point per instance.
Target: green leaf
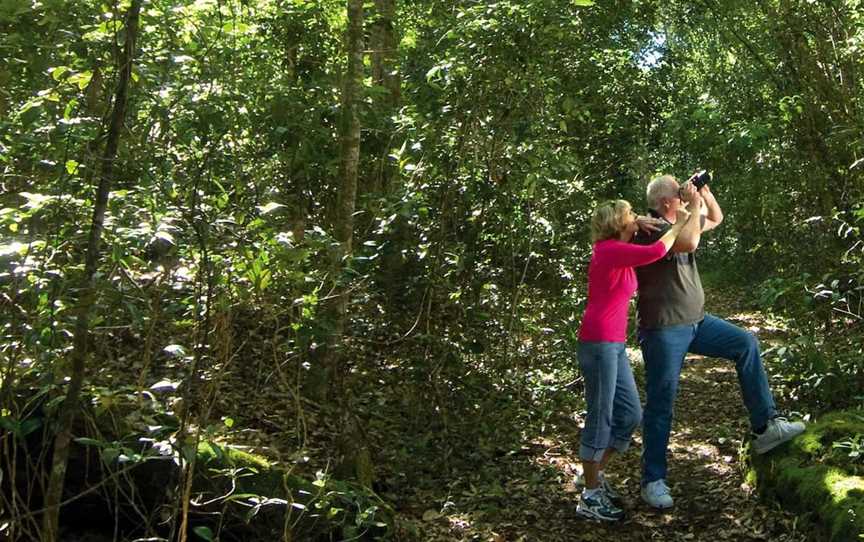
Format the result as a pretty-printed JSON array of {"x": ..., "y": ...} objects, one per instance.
[
  {"x": 109, "y": 455},
  {"x": 203, "y": 532},
  {"x": 81, "y": 79},
  {"x": 28, "y": 426},
  {"x": 583, "y": 3},
  {"x": 234, "y": 27},
  {"x": 71, "y": 167},
  {"x": 70, "y": 107},
  {"x": 32, "y": 104},
  {"x": 217, "y": 451},
  {"x": 57, "y": 73}
]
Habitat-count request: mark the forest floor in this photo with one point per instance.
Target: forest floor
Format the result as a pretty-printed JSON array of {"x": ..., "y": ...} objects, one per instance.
[{"x": 531, "y": 495}]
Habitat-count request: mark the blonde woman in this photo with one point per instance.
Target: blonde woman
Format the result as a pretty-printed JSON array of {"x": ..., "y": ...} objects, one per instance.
[{"x": 614, "y": 410}]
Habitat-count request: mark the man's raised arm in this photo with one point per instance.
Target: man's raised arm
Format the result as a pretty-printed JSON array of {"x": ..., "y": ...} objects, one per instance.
[
  {"x": 713, "y": 215},
  {"x": 688, "y": 239}
]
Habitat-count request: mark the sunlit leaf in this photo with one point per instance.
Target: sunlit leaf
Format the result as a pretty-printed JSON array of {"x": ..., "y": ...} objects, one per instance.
[
  {"x": 270, "y": 207},
  {"x": 81, "y": 79},
  {"x": 57, "y": 73}
]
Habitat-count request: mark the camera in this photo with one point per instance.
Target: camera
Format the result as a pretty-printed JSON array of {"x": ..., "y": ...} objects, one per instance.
[{"x": 701, "y": 179}]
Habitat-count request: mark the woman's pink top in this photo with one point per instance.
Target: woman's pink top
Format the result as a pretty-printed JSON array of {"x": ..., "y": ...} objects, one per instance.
[{"x": 611, "y": 284}]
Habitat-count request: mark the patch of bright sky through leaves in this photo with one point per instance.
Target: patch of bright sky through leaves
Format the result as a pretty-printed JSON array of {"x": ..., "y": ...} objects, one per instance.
[{"x": 651, "y": 55}]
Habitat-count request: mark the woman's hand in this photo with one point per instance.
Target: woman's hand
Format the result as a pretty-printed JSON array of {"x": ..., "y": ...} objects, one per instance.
[{"x": 648, "y": 224}]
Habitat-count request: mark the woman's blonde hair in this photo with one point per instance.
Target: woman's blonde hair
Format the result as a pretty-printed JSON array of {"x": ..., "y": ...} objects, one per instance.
[{"x": 608, "y": 220}]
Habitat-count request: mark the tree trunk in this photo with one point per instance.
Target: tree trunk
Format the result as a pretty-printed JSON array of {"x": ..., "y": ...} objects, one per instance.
[
  {"x": 342, "y": 214},
  {"x": 385, "y": 72},
  {"x": 355, "y": 460},
  {"x": 384, "y": 44},
  {"x": 69, "y": 407},
  {"x": 343, "y": 218}
]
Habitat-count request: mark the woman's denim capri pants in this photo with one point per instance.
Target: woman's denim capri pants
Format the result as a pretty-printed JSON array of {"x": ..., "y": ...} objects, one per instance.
[{"x": 614, "y": 410}]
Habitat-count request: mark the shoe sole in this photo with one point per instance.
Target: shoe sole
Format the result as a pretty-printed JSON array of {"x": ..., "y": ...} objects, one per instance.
[
  {"x": 593, "y": 515},
  {"x": 655, "y": 507},
  {"x": 760, "y": 451}
]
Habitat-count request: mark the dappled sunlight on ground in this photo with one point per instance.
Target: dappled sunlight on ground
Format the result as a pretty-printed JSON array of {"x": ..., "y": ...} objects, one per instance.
[
  {"x": 760, "y": 323},
  {"x": 723, "y": 368}
]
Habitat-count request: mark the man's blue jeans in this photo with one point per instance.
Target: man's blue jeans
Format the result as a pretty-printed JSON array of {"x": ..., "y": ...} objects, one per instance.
[
  {"x": 614, "y": 411},
  {"x": 663, "y": 350}
]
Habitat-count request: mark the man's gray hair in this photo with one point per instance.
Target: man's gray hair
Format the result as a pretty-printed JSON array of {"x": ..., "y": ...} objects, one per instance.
[{"x": 664, "y": 186}]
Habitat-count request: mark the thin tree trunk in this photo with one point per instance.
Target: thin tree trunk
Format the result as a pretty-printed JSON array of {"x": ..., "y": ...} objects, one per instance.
[
  {"x": 69, "y": 407},
  {"x": 355, "y": 461},
  {"x": 327, "y": 371},
  {"x": 350, "y": 133},
  {"x": 384, "y": 43}
]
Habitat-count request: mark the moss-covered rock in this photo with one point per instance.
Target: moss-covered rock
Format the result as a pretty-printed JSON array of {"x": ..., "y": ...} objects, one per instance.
[{"x": 812, "y": 476}]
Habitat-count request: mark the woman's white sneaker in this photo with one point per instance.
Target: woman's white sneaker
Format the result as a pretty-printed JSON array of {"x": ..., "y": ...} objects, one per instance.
[
  {"x": 611, "y": 492},
  {"x": 596, "y": 504}
]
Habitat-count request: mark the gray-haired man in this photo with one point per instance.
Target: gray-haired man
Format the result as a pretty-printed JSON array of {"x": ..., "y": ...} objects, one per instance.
[{"x": 672, "y": 321}]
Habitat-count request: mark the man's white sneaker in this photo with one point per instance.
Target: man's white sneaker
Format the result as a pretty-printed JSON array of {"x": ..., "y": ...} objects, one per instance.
[
  {"x": 656, "y": 494},
  {"x": 778, "y": 431}
]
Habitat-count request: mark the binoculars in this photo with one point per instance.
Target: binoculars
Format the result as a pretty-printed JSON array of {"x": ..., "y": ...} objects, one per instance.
[{"x": 701, "y": 179}]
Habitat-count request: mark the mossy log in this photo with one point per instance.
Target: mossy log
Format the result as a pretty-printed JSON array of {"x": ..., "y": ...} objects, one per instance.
[{"x": 812, "y": 476}]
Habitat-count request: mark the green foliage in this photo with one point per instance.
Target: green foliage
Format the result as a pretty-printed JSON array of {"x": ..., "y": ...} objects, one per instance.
[
  {"x": 467, "y": 279},
  {"x": 853, "y": 448},
  {"x": 784, "y": 294}
]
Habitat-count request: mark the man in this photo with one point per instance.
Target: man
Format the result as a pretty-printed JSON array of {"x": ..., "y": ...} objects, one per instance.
[{"x": 672, "y": 321}]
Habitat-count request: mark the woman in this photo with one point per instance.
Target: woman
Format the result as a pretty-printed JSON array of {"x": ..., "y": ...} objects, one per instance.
[{"x": 614, "y": 410}]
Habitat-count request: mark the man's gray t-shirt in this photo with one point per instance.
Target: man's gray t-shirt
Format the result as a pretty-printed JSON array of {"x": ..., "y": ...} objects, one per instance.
[{"x": 670, "y": 291}]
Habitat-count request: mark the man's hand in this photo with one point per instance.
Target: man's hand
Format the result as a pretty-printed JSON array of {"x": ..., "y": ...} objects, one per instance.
[
  {"x": 648, "y": 224},
  {"x": 690, "y": 195}
]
